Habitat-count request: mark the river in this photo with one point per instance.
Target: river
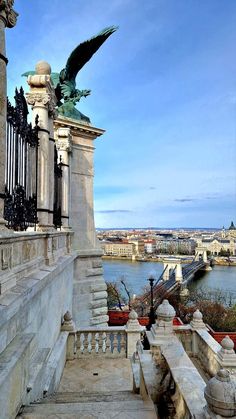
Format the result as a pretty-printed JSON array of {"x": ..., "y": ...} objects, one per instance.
[{"x": 136, "y": 274}]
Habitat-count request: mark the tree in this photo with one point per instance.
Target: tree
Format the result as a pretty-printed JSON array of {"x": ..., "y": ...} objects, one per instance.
[{"x": 113, "y": 295}]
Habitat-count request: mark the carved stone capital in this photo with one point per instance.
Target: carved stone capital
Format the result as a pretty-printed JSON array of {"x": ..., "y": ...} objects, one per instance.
[
  {"x": 64, "y": 139},
  {"x": 7, "y": 13},
  {"x": 34, "y": 98},
  {"x": 42, "y": 92}
]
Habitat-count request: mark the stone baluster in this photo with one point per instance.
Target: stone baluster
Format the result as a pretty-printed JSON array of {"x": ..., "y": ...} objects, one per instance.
[
  {"x": 104, "y": 342},
  {"x": 97, "y": 338},
  {"x": 133, "y": 330},
  {"x": 63, "y": 144},
  {"x": 123, "y": 346},
  {"x": 8, "y": 18},
  {"x": 115, "y": 344},
  {"x": 82, "y": 339},
  {"x": 89, "y": 342},
  {"x": 43, "y": 101}
]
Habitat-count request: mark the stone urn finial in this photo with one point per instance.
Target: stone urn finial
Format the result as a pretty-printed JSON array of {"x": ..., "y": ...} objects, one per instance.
[
  {"x": 133, "y": 322},
  {"x": 197, "y": 321},
  {"x": 165, "y": 312},
  {"x": 220, "y": 394},
  {"x": 227, "y": 344},
  {"x": 133, "y": 315},
  {"x": 43, "y": 68},
  {"x": 67, "y": 323}
]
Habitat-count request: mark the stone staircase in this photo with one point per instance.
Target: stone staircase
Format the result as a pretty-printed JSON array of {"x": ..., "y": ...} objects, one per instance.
[{"x": 99, "y": 405}]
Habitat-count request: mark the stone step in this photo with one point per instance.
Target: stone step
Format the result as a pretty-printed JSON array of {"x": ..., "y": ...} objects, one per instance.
[
  {"x": 126, "y": 409},
  {"x": 82, "y": 397}
]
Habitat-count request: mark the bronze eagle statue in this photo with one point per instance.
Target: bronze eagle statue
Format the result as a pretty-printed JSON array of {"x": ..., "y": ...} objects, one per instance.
[{"x": 65, "y": 81}]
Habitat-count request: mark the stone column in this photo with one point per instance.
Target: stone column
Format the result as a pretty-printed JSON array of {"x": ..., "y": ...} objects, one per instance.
[
  {"x": 8, "y": 19},
  {"x": 52, "y": 115},
  {"x": 43, "y": 101},
  {"x": 63, "y": 144}
]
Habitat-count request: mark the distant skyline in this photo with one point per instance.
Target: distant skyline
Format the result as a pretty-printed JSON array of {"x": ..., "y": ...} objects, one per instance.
[{"x": 164, "y": 89}]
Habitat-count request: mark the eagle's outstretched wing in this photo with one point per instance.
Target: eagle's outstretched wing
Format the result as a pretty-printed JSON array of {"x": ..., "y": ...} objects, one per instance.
[{"x": 84, "y": 51}]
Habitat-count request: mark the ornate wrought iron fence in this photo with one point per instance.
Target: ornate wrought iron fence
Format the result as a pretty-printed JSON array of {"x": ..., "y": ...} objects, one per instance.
[
  {"x": 57, "y": 190},
  {"x": 20, "y": 206}
]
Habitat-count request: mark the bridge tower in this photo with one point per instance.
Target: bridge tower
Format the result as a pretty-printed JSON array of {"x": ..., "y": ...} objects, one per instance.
[
  {"x": 201, "y": 253},
  {"x": 170, "y": 265}
]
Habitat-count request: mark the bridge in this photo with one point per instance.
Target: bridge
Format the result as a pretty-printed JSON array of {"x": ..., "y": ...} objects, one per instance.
[{"x": 174, "y": 277}]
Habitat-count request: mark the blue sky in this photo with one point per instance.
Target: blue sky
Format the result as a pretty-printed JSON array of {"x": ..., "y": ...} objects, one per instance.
[{"x": 164, "y": 88}]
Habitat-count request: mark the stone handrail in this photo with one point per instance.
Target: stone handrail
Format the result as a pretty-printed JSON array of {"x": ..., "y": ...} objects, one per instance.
[
  {"x": 188, "y": 397},
  {"x": 22, "y": 253},
  {"x": 207, "y": 349},
  {"x": 109, "y": 342}
]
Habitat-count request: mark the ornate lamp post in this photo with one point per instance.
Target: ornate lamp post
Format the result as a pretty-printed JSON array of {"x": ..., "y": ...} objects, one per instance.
[{"x": 152, "y": 312}]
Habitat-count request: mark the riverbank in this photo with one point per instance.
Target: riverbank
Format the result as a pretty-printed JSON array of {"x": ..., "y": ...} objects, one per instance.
[
  {"x": 136, "y": 276},
  {"x": 221, "y": 261}
]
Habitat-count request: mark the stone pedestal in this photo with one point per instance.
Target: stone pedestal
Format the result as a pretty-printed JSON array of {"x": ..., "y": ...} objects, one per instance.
[
  {"x": 133, "y": 330},
  {"x": 90, "y": 296},
  {"x": 8, "y": 19}
]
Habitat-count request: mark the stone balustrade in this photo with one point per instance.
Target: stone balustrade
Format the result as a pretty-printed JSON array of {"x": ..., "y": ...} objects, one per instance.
[
  {"x": 24, "y": 252},
  {"x": 108, "y": 342}
]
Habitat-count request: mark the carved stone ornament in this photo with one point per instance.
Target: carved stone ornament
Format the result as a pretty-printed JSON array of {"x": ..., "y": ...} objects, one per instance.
[
  {"x": 7, "y": 13},
  {"x": 220, "y": 394},
  {"x": 33, "y": 98},
  {"x": 165, "y": 311}
]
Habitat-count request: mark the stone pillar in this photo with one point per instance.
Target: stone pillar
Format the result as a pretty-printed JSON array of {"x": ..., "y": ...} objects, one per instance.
[
  {"x": 52, "y": 115},
  {"x": 196, "y": 324},
  {"x": 133, "y": 330},
  {"x": 63, "y": 144},
  {"x": 8, "y": 19},
  {"x": 164, "y": 322},
  {"x": 172, "y": 263},
  {"x": 226, "y": 356},
  {"x": 166, "y": 269},
  {"x": 69, "y": 326},
  {"x": 89, "y": 294},
  {"x": 43, "y": 101},
  {"x": 178, "y": 271}
]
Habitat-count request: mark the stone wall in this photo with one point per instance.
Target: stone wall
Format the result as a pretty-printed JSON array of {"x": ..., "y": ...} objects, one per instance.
[{"x": 31, "y": 310}]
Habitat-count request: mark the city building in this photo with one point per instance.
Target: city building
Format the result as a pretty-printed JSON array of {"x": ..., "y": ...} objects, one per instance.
[{"x": 120, "y": 249}]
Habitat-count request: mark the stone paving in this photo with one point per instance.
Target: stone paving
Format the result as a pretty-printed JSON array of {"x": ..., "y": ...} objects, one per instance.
[
  {"x": 97, "y": 375},
  {"x": 93, "y": 389}
]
